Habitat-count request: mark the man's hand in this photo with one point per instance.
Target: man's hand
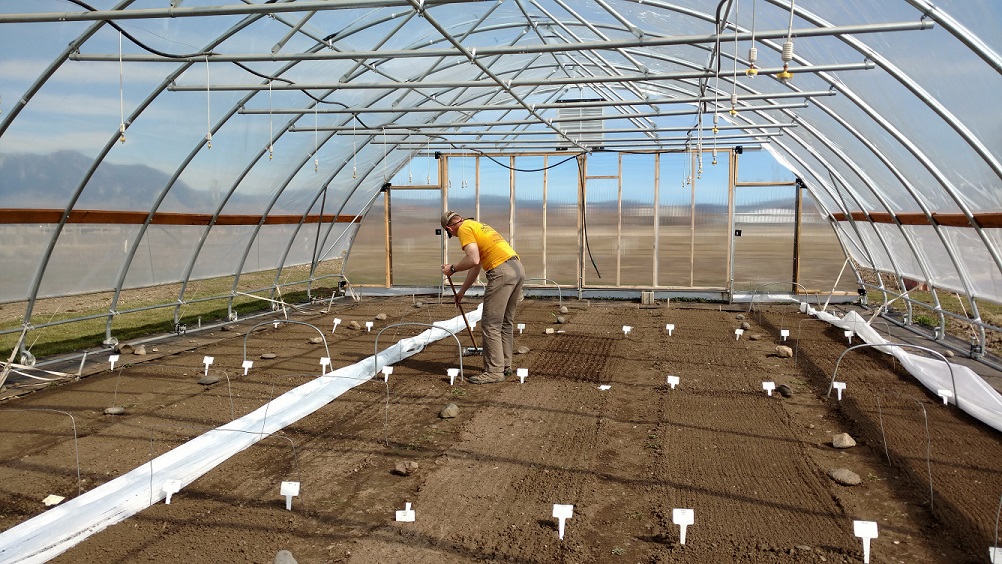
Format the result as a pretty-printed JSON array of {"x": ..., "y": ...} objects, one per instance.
[
  {"x": 459, "y": 296},
  {"x": 447, "y": 270}
]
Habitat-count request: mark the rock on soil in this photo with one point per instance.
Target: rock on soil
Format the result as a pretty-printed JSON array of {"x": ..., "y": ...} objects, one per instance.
[
  {"x": 523, "y": 349},
  {"x": 227, "y": 328},
  {"x": 563, "y": 309},
  {"x": 755, "y": 337},
  {"x": 549, "y": 331},
  {"x": 449, "y": 411},
  {"x": 783, "y": 351},
  {"x": 405, "y": 467},
  {"x": 140, "y": 350},
  {"x": 208, "y": 380},
  {"x": 269, "y": 356},
  {"x": 316, "y": 340},
  {"x": 419, "y": 305},
  {"x": 845, "y": 477},
  {"x": 354, "y": 325},
  {"x": 745, "y": 325},
  {"x": 560, "y": 319},
  {"x": 285, "y": 557},
  {"x": 381, "y": 316},
  {"x": 124, "y": 348},
  {"x": 843, "y": 440},
  {"x": 740, "y": 316},
  {"x": 948, "y": 354},
  {"x": 114, "y": 410},
  {"x": 784, "y": 391}
]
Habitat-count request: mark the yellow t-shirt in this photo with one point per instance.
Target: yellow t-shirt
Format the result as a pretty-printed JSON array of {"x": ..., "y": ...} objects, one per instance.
[{"x": 494, "y": 250}]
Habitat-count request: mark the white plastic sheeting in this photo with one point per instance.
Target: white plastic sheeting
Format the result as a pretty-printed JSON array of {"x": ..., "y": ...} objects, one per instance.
[
  {"x": 43, "y": 537},
  {"x": 970, "y": 392}
]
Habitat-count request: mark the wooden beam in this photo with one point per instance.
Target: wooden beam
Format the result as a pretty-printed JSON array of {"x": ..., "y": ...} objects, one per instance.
[
  {"x": 109, "y": 217},
  {"x": 985, "y": 220}
]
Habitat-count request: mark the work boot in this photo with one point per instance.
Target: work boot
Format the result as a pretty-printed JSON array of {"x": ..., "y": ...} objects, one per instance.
[
  {"x": 486, "y": 378},
  {"x": 507, "y": 372}
]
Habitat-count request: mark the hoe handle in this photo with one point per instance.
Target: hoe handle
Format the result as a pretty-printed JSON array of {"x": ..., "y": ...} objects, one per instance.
[{"x": 455, "y": 295}]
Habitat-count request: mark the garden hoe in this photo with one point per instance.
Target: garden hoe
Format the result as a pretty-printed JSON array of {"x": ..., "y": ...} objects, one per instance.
[{"x": 469, "y": 351}]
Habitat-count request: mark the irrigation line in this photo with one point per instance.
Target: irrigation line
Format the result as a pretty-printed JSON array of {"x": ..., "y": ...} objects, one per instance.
[
  {"x": 883, "y": 435},
  {"x": 953, "y": 381},
  {"x": 796, "y": 345},
  {"x": 997, "y": 511},
  {"x": 928, "y": 451},
  {"x": 73, "y": 422},
  {"x": 375, "y": 366},
  {"x": 817, "y": 298},
  {"x": 560, "y": 294}
]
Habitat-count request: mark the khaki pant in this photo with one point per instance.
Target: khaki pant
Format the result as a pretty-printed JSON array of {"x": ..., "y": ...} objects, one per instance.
[{"x": 504, "y": 288}]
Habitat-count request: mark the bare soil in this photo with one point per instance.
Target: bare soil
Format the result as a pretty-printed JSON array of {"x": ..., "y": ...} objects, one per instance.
[{"x": 754, "y": 468}]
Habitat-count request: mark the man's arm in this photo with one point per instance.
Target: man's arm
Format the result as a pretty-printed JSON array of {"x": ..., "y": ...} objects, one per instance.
[{"x": 470, "y": 263}]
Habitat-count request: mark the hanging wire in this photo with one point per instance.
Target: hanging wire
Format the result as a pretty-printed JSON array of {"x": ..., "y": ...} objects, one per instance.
[
  {"x": 316, "y": 139},
  {"x": 208, "y": 106},
  {"x": 384, "y": 153},
  {"x": 752, "y": 51},
  {"x": 121, "y": 92},
  {"x": 734, "y": 77},
  {"x": 354, "y": 148},
  {"x": 271, "y": 125},
  {"x": 786, "y": 75},
  {"x": 427, "y": 149}
]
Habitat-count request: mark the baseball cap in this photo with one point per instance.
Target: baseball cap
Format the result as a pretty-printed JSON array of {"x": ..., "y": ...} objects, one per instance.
[{"x": 447, "y": 217}]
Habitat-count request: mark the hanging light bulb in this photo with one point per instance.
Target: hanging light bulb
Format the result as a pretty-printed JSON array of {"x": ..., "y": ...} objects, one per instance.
[
  {"x": 715, "y": 121},
  {"x": 208, "y": 140},
  {"x": 714, "y": 161},
  {"x": 316, "y": 164},
  {"x": 734, "y": 105},
  {"x": 752, "y": 57},
  {"x": 121, "y": 133},
  {"x": 271, "y": 151}
]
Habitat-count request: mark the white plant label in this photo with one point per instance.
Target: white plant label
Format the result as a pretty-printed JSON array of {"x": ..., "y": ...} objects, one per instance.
[
  {"x": 452, "y": 372},
  {"x": 865, "y": 530},
  {"x": 848, "y": 335},
  {"x": 604, "y": 387},
  {"x": 406, "y": 515},
  {"x": 627, "y": 329},
  {"x": 672, "y": 381},
  {"x": 337, "y": 321},
  {"x": 946, "y": 395},
  {"x": 683, "y": 518},
  {"x": 784, "y": 333},
  {"x": 839, "y": 386},
  {"x": 521, "y": 327},
  {"x": 113, "y": 359},
  {"x": 207, "y": 361},
  {"x": 325, "y": 361},
  {"x": 562, "y": 513},
  {"x": 995, "y": 554},
  {"x": 247, "y": 365},
  {"x": 768, "y": 387},
  {"x": 521, "y": 373},
  {"x": 52, "y": 499},
  {"x": 289, "y": 490},
  {"x": 669, "y": 328},
  {"x": 170, "y": 488},
  {"x": 387, "y": 370},
  {"x": 737, "y": 333},
  {"x": 368, "y": 326}
]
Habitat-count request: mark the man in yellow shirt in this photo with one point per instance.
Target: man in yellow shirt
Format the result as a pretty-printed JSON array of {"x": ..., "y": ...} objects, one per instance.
[{"x": 484, "y": 248}]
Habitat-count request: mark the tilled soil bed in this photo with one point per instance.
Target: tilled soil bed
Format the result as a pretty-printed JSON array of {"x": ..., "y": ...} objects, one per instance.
[{"x": 753, "y": 467}]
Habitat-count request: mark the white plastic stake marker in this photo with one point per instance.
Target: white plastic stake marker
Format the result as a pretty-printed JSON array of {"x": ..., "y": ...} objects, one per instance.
[
  {"x": 946, "y": 395},
  {"x": 170, "y": 488},
  {"x": 626, "y": 330},
  {"x": 839, "y": 386},
  {"x": 368, "y": 326},
  {"x": 669, "y": 328},
  {"x": 113, "y": 359},
  {"x": 387, "y": 370},
  {"x": 325, "y": 361},
  {"x": 995, "y": 554},
  {"x": 672, "y": 381},
  {"x": 562, "y": 513},
  {"x": 683, "y": 518},
  {"x": 207, "y": 361},
  {"x": 865, "y": 530},
  {"x": 605, "y": 387},
  {"x": 247, "y": 365},
  {"x": 768, "y": 387},
  {"x": 521, "y": 327},
  {"x": 52, "y": 499},
  {"x": 289, "y": 490},
  {"x": 407, "y": 514},
  {"x": 275, "y": 323},
  {"x": 848, "y": 335},
  {"x": 521, "y": 373},
  {"x": 784, "y": 333},
  {"x": 337, "y": 321},
  {"x": 737, "y": 333},
  {"x": 452, "y": 372}
]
